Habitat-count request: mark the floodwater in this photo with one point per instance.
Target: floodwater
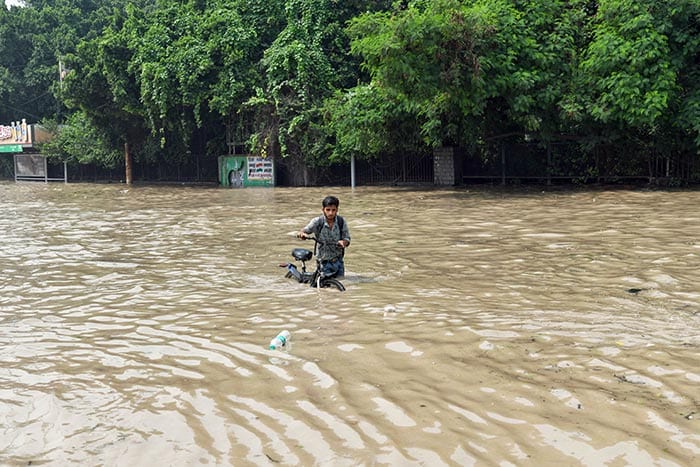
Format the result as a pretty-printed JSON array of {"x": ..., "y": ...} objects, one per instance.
[{"x": 479, "y": 327}]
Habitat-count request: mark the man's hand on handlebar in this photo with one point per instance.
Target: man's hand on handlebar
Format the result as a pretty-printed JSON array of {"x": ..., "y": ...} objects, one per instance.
[{"x": 304, "y": 236}]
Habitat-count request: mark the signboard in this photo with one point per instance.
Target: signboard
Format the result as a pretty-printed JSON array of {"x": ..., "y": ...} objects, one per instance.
[
  {"x": 10, "y": 148},
  {"x": 259, "y": 170},
  {"x": 244, "y": 171}
]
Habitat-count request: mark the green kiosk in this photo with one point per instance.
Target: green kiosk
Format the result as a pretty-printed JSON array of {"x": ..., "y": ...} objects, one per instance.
[{"x": 245, "y": 171}]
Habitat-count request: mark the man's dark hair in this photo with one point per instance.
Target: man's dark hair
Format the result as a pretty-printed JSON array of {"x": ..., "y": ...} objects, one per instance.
[{"x": 331, "y": 201}]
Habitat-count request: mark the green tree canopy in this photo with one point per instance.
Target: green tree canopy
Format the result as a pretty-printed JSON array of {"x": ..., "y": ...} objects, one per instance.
[{"x": 323, "y": 80}]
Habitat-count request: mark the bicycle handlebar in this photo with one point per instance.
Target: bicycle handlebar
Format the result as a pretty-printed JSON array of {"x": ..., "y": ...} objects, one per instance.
[{"x": 316, "y": 240}]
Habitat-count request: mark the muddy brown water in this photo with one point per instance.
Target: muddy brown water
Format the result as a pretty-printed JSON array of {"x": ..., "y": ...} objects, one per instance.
[{"x": 479, "y": 327}]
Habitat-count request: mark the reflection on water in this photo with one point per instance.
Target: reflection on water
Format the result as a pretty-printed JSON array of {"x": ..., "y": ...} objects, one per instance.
[{"x": 479, "y": 327}]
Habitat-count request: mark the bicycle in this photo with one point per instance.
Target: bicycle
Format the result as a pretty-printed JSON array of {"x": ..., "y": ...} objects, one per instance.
[{"x": 316, "y": 278}]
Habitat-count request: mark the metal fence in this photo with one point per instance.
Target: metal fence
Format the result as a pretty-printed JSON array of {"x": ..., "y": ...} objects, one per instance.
[
  {"x": 498, "y": 162},
  {"x": 389, "y": 170},
  {"x": 507, "y": 162},
  {"x": 197, "y": 169}
]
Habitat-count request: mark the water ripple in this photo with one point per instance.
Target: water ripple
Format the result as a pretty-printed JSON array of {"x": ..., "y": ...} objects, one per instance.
[{"x": 478, "y": 327}]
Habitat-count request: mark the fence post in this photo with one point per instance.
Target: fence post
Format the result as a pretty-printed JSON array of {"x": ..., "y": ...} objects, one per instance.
[{"x": 352, "y": 171}]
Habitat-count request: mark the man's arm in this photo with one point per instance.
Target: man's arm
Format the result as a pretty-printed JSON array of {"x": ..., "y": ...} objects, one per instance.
[
  {"x": 345, "y": 234},
  {"x": 309, "y": 229}
]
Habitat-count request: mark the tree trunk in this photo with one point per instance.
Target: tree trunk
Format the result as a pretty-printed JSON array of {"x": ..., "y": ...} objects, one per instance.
[{"x": 127, "y": 163}]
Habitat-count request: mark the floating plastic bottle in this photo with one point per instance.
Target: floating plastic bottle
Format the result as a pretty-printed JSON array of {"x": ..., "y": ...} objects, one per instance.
[{"x": 280, "y": 341}]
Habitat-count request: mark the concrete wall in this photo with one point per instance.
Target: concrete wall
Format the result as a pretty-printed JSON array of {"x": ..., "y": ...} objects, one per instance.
[{"x": 447, "y": 166}]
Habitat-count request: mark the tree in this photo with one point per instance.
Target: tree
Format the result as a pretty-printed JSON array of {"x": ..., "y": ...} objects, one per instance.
[
  {"x": 427, "y": 62},
  {"x": 638, "y": 77},
  {"x": 79, "y": 141},
  {"x": 191, "y": 58},
  {"x": 318, "y": 81},
  {"x": 468, "y": 69},
  {"x": 159, "y": 71},
  {"x": 306, "y": 64},
  {"x": 627, "y": 66},
  {"x": 33, "y": 40},
  {"x": 102, "y": 87}
]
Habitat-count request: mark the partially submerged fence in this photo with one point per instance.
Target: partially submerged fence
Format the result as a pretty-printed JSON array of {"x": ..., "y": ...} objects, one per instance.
[
  {"x": 501, "y": 162},
  {"x": 35, "y": 167},
  {"x": 507, "y": 162}
]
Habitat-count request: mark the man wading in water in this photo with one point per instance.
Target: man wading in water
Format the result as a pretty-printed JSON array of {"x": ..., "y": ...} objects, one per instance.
[{"x": 332, "y": 232}]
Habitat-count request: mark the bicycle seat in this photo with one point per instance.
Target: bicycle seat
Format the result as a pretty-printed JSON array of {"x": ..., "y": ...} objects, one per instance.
[{"x": 302, "y": 254}]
